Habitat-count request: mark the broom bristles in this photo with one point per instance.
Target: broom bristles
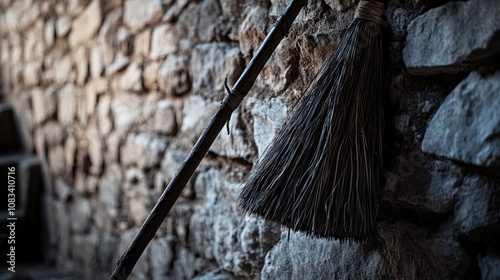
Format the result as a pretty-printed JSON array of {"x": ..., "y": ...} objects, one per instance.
[{"x": 320, "y": 175}]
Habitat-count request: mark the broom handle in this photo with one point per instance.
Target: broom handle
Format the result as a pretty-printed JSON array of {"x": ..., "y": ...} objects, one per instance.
[{"x": 222, "y": 115}]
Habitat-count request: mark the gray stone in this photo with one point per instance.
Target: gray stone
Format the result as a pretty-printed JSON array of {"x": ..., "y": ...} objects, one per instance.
[
  {"x": 215, "y": 275},
  {"x": 110, "y": 192},
  {"x": 96, "y": 64},
  {"x": 113, "y": 147},
  {"x": 164, "y": 120},
  {"x": 303, "y": 257},
  {"x": 211, "y": 64},
  {"x": 80, "y": 214},
  {"x": 235, "y": 144},
  {"x": 124, "y": 40},
  {"x": 86, "y": 25},
  {"x": 268, "y": 116},
  {"x": 196, "y": 113},
  {"x": 118, "y": 64},
  {"x": 341, "y": 5},
  {"x": 63, "y": 26},
  {"x": 253, "y": 29},
  {"x": 161, "y": 258},
  {"x": 70, "y": 153},
  {"x": 62, "y": 70},
  {"x": 56, "y": 160},
  {"x": 170, "y": 164},
  {"x": 22, "y": 14},
  {"x": 33, "y": 44},
  {"x": 80, "y": 58},
  {"x": 66, "y": 105},
  {"x": 219, "y": 231},
  {"x": 62, "y": 190},
  {"x": 95, "y": 149},
  {"x": 143, "y": 150},
  {"x": 467, "y": 125},
  {"x": 173, "y": 76},
  {"x": 31, "y": 73},
  {"x": 54, "y": 134},
  {"x": 49, "y": 32},
  {"x": 150, "y": 74},
  {"x": 202, "y": 21},
  {"x": 104, "y": 115},
  {"x": 126, "y": 107},
  {"x": 489, "y": 264},
  {"x": 453, "y": 35},
  {"x": 164, "y": 41},
  {"x": 138, "y": 13},
  {"x": 174, "y": 11},
  {"x": 142, "y": 43},
  {"x": 478, "y": 207},
  {"x": 131, "y": 80}
]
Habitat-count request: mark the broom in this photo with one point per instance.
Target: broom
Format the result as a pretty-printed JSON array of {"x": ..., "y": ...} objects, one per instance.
[
  {"x": 228, "y": 105},
  {"x": 320, "y": 175}
]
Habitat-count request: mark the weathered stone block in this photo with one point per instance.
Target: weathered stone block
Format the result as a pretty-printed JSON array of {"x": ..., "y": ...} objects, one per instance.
[
  {"x": 445, "y": 38},
  {"x": 164, "y": 41},
  {"x": 150, "y": 74},
  {"x": 137, "y": 13},
  {"x": 478, "y": 208},
  {"x": 86, "y": 25},
  {"x": 66, "y": 106},
  {"x": 131, "y": 80},
  {"x": 211, "y": 64},
  {"x": 126, "y": 107},
  {"x": 44, "y": 104},
  {"x": 63, "y": 26},
  {"x": 164, "y": 120},
  {"x": 173, "y": 76},
  {"x": 143, "y": 150},
  {"x": 268, "y": 116},
  {"x": 80, "y": 58},
  {"x": 467, "y": 125}
]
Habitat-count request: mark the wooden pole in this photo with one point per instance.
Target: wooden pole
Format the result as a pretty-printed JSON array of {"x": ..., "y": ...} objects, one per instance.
[{"x": 229, "y": 104}]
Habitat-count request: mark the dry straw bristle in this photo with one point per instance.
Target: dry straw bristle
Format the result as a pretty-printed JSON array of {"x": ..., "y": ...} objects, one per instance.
[{"x": 320, "y": 175}]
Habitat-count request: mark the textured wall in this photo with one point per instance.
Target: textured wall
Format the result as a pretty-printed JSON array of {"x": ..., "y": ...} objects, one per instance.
[{"x": 113, "y": 94}]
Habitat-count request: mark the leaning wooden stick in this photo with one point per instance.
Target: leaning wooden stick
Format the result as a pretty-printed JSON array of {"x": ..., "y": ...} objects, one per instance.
[{"x": 228, "y": 105}]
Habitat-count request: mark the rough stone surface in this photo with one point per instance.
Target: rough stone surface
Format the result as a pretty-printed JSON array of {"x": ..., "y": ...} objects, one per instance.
[
  {"x": 66, "y": 109},
  {"x": 268, "y": 117},
  {"x": 164, "y": 40},
  {"x": 211, "y": 64},
  {"x": 338, "y": 260},
  {"x": 63, "y": 26},
  {"x": 164, "y": 120},
  {"x": 86, "y": 25},
  {"x": 131, "y": 80},
  {"x": 173, "y": 76},
  {"x": 137, "y": 14},
  {"x": 467, "y": 125},
  {"x": 478, "y": 208},
  {"x": 112, "y": 95},
  {"x": 454, "y": 36},
  {"x": 143, "y": 150}
]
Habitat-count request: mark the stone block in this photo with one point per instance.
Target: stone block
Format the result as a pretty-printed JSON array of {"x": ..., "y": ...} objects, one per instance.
[
  {"x": 142, "y": 43},
  {"x": 150, "y": 74},
  {"x": 164, "y": 41},
  {"x": 66, "y": 106},
  {"x": 211, "y": 64},
  {"x": 131, "y": 80},
  {"x": 143, "y": 150},
  {"x": 466, "y": 126},
  {"x": 86, "y": 25},
  {"x": 81, "y": 61},
  {"x": 268, "y": 115},
  {"x": 126, "y": 108},
  {"x": 63, "y": 26},
  {"x": 173, "y": 76},
  {"x": 454, "y": 36},
  {"x": 32, "y": 73},
  {"x": 164, "y": 119},
  {"x": 137, "y": 14}
]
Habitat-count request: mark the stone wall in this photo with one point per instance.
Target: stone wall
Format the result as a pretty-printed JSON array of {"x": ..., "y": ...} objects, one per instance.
[{"x": 112, "y": 95}]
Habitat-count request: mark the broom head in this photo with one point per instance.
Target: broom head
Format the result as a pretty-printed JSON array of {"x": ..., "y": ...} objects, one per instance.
[{"x": 320, "y": 175}]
